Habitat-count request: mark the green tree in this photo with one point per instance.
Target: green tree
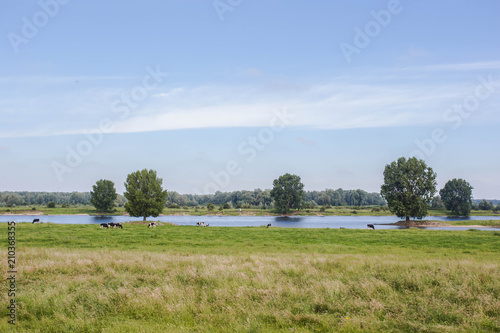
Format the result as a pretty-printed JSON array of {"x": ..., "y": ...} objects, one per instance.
[
  {"x": 51, "y": 204},
  {"x": 103, "y": 195},
  {"x": 437, "y": 203},
  {"x": 145, "y": 195},
  {"x": 287, "y": 193},
  {"x": 457, "y": 196},
  {"x": 210, "y": 206},
  {"x": 485, "y": 205},
  {"x": 409, "y": 186}
]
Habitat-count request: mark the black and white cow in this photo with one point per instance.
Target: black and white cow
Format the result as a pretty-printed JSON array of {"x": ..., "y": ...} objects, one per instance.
[
  {"x": 36, "y": 221},
  {"x": 269, "y": 225},
  {"x": 201, "y": 224},
  {"x": 152, "y": 225},
  {"x": 370, "y": 226},
  {"x": 104, "y": 225}
]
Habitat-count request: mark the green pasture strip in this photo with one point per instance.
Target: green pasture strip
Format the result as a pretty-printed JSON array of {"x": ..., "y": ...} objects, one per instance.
[
  {"x": 332, "y": 211},
  {"x": 221, "y": 240},
  {"x": 492, "y": 223}
]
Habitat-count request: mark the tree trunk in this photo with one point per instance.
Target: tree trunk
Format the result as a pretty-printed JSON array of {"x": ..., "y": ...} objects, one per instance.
[
  {"x": 144, "y": 219},
  {"x": 407, "y": 219}
]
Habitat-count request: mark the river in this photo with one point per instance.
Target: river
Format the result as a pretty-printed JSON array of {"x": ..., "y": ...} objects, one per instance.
[{"x": 334, "y": 222}]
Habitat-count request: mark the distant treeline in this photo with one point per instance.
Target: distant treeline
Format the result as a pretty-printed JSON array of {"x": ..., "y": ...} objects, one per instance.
[
  {"x": 256, "y": 198},
  {"x": 262, "y": 198}
]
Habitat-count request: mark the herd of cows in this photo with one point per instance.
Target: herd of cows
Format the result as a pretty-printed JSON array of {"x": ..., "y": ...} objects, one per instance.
[{"x": 153, "y": 225}]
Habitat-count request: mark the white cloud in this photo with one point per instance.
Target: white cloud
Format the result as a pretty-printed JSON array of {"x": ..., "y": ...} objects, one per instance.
[{"x": 376, "y": 98}]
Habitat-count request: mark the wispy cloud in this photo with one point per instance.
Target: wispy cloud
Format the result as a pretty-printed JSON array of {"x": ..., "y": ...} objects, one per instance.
[{"x": 374, "y": 98}]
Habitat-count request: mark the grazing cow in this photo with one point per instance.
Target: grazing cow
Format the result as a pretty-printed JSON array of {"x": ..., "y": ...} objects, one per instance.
[
  {"x": 269, "y": 225},
  {"x": 201, "y": 224},
  {"x": 13, "y": 223},
  {"x": 152, "y": 225},
  {"x": 104, "y": 225},
  {"x": 208, "y": 225},
  {"x": 36, "y": 221},
  {"x": 370, "y": 226},
  {"x": 112, "y": 225},
  {"x": 119, "y": 225}
]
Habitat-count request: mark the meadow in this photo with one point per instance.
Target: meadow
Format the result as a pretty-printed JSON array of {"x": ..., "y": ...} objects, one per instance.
[{"x": 79, "y": 278}]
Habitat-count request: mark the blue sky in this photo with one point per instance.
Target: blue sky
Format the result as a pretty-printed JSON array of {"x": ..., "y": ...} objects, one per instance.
[{"x": 228, "y": 95}]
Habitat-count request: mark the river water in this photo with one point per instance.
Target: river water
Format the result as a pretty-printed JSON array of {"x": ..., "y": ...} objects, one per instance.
[{"x": 334, "y": 222}]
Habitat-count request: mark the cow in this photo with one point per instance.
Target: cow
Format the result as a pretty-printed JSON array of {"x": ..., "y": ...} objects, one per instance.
[
  {"x": 152, "y": 225},
  {"x": 269, "y": 225},
  {"x": 112, "y": 225},
  {"x": 201, "y": 224},
  {"x": 207, "y": 225},
  {"x": 12, "y": 223},
  {"x": 370, "y": 226},
  {"x": 119, "y": 225},
  {"x": 36, "y": 221},
  {"x": 104, "y": 225}
]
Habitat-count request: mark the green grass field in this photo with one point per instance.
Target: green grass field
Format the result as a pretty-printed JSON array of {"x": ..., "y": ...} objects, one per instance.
[{"x": 79, "y": 278}]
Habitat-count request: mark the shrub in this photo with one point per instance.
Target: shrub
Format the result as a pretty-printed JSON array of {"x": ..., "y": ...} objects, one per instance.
[
  {"x": 64, "y": 205},
  {"x": 226, "y": 206},
  {"x": 354, "y": 212},
  {"x": 33, "y": 208},
  {"x": 210, "y": 206},
  {"x": 51, "y": 204},
  {"x": 175, "y": 206},
  {"x": 322, "y": 209},
  {"x": 185, "y": 207}
]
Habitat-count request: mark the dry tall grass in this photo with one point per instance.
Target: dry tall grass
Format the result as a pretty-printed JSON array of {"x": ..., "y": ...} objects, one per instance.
[{"x": 79, "y": 290}]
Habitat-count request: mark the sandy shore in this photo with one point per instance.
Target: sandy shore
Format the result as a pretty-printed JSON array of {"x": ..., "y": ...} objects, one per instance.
[{"x": 435, "y": 224}]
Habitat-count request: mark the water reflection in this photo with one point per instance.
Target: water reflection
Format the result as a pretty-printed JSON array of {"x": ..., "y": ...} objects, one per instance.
[
  {"x": 288, "y": 218},
  {"x": 102, "y": 218}
]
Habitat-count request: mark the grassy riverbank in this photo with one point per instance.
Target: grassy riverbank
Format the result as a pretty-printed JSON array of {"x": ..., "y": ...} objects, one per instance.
[
  {"x": 201, "y": 211},
  {"x": 181, "y": 278}
]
